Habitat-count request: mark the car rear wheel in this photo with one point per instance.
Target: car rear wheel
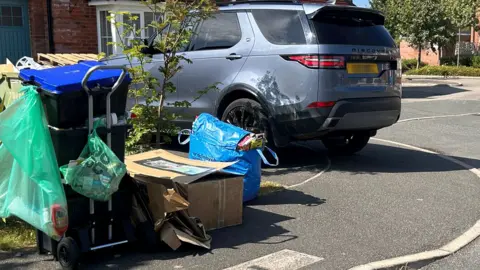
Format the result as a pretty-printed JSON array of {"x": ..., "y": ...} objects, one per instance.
[
  {"x": 249, "y": 115},
  {"x": 348, "y": 144}
]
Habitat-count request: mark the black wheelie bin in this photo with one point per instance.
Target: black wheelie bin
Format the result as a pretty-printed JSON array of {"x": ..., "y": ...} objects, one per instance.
[{"x": 73, "y": 96}]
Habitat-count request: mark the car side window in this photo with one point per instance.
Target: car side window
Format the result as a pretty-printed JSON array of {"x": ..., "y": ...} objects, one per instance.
[
  {"x": 219, "y": 32},
  {"x": 158, "y": 37},
  {"x": 280, "y": 27}
]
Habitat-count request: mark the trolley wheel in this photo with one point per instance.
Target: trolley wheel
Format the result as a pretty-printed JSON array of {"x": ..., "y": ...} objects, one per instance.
[{"x": 68, "y": 253}]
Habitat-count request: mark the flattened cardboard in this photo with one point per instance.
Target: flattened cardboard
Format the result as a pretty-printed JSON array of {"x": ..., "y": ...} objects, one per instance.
[
  {"x": 178, "y": 227},
  {"x": 171, "y": 184},
  {"x": 192, "y": 227},
  {"x": 157, "y": 201},
  {"x": 174, "y": 202},
  {"x": 191, "y": 239},
  {"x": 174, "y": 237},
  {"x": 163, "y": 200},
  {"x": 169, "y": 237},
  {"x": 142, "y": 167}
]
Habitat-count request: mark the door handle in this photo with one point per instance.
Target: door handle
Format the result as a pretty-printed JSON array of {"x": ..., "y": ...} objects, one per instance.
[{"x": 233, "y": 56}]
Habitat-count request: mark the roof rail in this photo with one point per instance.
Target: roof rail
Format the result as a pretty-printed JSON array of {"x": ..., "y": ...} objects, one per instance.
[{"x": 233, "y": 2}]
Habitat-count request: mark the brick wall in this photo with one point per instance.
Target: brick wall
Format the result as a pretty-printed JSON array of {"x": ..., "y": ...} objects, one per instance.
[
  {"x": 475, "y": 36},
  {"x": 74, "y": 26},
  {"x": 37, "y": 11},
  {"x": 428, "y": 56}
]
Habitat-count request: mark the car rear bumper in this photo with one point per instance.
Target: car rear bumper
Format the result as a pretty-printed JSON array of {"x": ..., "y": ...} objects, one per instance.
[{"x": 346, "y": 115}]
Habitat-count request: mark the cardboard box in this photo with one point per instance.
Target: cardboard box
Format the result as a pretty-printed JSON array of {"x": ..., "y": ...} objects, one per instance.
[
  {"x": 216, "y": 200},
  {"x": 213, "y": 197}
]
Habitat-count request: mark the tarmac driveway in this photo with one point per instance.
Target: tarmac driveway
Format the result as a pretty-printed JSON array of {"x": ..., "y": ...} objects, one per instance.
[{"x": 386, "y": 201}]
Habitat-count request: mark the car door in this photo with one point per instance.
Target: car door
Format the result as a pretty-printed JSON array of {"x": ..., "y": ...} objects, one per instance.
[
  {"x": 153, "y": 67},
  {"x": 218, "y": 51}
]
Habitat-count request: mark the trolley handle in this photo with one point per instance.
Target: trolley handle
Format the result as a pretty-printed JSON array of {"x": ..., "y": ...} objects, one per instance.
[{"x": 95, "y": 68}]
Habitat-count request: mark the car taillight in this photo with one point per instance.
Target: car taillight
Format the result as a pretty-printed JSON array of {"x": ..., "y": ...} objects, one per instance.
[
  {"x": 321, "y": 104},
  {"x": 327, "y": 61},
  {"x": 318, "y": 61},
  {"x": 310, "y": 61}
]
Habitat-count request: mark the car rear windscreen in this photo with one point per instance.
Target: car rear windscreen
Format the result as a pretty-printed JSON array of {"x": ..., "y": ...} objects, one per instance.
[{"x": 351, "y": 31}]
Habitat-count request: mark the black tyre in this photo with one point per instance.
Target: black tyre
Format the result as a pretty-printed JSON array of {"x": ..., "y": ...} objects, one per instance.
[
  {"x": 249, "y": 115},
  {"x": 68, "y": 253},
  {"x": 347, "y": 145}
]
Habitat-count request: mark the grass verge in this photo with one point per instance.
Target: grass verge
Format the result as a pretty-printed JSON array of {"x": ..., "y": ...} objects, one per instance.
[
  {"x": 16, "y": 234},
  {"x": 267, "y": 187}
]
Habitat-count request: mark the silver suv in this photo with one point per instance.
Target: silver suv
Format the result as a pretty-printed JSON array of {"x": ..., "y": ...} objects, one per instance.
[{"x": 294, "y": 71}]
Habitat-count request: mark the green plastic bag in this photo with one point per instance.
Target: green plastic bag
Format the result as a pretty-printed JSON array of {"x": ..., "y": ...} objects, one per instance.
[
  {"x": 30, "y": 183},
  {"x": 97, "y": 173}
]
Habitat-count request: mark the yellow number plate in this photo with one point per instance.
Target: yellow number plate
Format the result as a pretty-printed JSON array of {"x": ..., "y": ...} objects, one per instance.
[{"x": 362, "y": 68}]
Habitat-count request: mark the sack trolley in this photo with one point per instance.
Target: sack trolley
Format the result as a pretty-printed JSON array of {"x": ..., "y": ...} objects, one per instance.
[{"x": 89, "y": 236}]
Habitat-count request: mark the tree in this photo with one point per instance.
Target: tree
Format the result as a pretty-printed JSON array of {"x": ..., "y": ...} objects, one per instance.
[
  {"x": 174, "y": 28},
  {"x": 390, "y": 11},
  {"x": 421, "y": 23},
  {"x": 462, "y": 14},
  {"x": 427, "y": 23},
  {"x": 424, "y": 24}
]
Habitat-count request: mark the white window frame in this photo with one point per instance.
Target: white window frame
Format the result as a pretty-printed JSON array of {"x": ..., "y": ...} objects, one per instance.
[{"x": 130, "y": 6}]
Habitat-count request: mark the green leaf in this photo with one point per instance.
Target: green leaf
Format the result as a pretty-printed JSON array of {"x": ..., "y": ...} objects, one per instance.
[{"x": 180, "y": 19}]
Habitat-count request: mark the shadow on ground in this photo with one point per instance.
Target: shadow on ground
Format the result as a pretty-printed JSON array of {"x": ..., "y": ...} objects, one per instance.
[
  {"x": 287, "y": 196},
  {"x": 259, "y": 227},
  {"x": 298, "y": 158},
  {"x": 21, "y": 259},
  {"x": 15, "y": 265},
  {"x": 374, "y": 158},
  {"x": 379, "y": 158},
  {"x": 430, "y": 91}
]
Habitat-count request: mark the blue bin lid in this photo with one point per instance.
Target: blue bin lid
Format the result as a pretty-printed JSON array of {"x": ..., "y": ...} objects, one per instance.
[{"x": 65, "y": 79}]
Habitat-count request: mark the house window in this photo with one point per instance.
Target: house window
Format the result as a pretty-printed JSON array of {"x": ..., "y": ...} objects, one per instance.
[
  {"x": 105, "y": 33},
  {"x": 135, "y": 24},
  {"x": 11, "y": 16},
  {"x": 108, "y": 32},
  {"x": 148, "y": 19}
]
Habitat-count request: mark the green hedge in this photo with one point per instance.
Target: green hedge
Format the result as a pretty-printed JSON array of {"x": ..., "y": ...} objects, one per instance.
[
  {"x": 476, "y": 61},
  {"x": 468, "y": 61},
  {"x": 408, "y": 64},
  {"x": 446, "y": 71},
  {"x": 452, "y": 61}
]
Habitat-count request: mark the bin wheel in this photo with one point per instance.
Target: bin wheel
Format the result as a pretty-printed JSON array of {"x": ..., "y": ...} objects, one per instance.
[{"x": 68, "y": 253}]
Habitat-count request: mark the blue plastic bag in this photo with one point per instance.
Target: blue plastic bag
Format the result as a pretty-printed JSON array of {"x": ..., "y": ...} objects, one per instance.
[{"x": 214, "y": 140}]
